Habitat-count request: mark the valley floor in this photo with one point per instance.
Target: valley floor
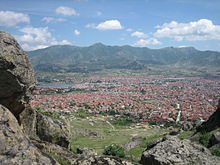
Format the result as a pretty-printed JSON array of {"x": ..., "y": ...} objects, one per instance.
[{"x": 150, "y": 98}]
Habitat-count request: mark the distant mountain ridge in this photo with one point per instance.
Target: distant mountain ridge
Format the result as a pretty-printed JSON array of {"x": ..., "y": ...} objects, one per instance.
[{"x": 66, "y": 58}]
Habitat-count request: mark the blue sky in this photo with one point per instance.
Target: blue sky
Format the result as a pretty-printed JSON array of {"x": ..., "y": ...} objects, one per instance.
[{"x": 141, "y": 23}]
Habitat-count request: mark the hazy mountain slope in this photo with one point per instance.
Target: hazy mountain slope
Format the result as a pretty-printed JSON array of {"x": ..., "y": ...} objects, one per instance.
[{"x": 65, "y": 58}]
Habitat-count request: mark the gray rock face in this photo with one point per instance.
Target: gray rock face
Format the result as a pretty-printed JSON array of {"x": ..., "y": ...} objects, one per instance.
[
  {"x": 28, "y": 121},
  {"x": 15, "y": 147},
  {"x": 80, "y": 159},
  {"x": 52, "y": 130},
  {"x": 213, "y": 122},
  {"x": 135, "y": 142},
  {"x": 16, "y": 75},
  {"x": 154, "y": 143},
  {"x": 186, "y": 125},
  {"x": 176, "y": 151},
  {"x": 175, "y": 132},
  {"x": 86, "y": 151},
  {"x": 215, "y": 139},
  {"x": 16, "y": 81},
  {"x": 101, "y": 160}
]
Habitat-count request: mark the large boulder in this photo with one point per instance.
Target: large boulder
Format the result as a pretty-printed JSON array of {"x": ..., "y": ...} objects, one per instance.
[
  {"x": 186, "y": 125},
  {"x": 28, "y": 121},
  {"x": 215, "y": 139},
  {"x": 86, "y": 151},
  {"x": 175, "y": 151},
  {"x": 52, "y": 130},
  {"x": 213, "y": 122},
  {"x": 88, "y": 158},
  {"x": 16, "y": 75},
  {"x": 15, "y": 147},
  {"x": 19, "y": 122},
  {"x": 135, "y": 142}
]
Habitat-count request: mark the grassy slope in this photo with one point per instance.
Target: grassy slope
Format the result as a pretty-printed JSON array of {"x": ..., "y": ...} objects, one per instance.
[{"x": 107, "y": 135}]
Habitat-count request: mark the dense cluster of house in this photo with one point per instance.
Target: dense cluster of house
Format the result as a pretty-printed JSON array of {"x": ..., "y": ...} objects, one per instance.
[{"x": 157, "y": 98}]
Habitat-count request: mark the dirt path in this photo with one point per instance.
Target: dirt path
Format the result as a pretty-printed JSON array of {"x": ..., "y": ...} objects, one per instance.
[{"x": 110, "y": 124}]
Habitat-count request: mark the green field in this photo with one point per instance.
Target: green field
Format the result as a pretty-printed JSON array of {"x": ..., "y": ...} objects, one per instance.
[{"x": 98, "y": 132}]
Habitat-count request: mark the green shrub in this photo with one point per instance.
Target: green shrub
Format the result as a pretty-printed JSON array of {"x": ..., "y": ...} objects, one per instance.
[
  {"x": 186, "y": 134},
  {"x": 114, "y": 150},
  {"x": 83, "y": 113},
  {"x": 215, "y": 151},
  {"x": 60, "y": 159},
  {"x": 204, "y": 138},
  {"x": 123, "y": 121}
]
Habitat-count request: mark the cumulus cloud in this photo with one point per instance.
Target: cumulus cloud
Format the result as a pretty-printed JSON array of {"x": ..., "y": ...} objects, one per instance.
[
  {"x": 109, "y": 25},
  {"x": 10, "y": 18},
  {"x": 28, "y": 47},
  {"x": 143, "y": 43},
  {"x": 36, "y": 35},
  {"x": 63, "y": 42},
  {"x": 139, "y": 34},
  {"x": 35, "y": 38},
  {"x": 66, "y": 11},
  {"x": 202, "y": 29},
  {"x": 77, "y": 32},
  {"x": 51, "y": 19}
]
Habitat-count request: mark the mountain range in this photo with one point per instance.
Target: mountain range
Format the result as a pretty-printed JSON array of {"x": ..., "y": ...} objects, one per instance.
[{"x": 66, "y": 58}]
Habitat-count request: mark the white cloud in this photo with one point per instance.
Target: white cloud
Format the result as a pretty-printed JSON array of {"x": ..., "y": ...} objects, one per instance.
[
  {"x": 10, "y": 18},
  {"x": 182, "y": 46},
  {"x": 36, "y": 35},
  {"x": 143, "y": 43},
  {"x": 77, "y": 32},
  {"x": 66, "y": 11},
  {"x": 202, "y": 29},
  {"x": 35, "y": 38},
  {"x": 109, "y": 25},
  {"x": 139, "y": 34},
  {"x": 51, "y": 19},
  {"x": 63, "y": 42},
  {"x": 27, "y": 47}
]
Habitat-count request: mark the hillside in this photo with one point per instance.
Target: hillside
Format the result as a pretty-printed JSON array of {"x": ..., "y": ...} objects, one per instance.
[{"x": 66, "y": 58}]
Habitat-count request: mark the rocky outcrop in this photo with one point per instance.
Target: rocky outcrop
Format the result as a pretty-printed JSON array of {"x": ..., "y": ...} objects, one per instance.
[
  {"x": 28, "y": 121},
  {"x": 17, "y": 118},
  {"x": 172, "y": 150},
  {"x": 187, "y": 125},
  {"x": 86, "y": 151},
  {"x": 213, "y": 122},
  {"x": 15, "y": 147},
  {"x": 154, "y": 143},
  {"x": 135, "y": 142},
  {"x": 16, "y": 75},
  {"x": 102, "y": 160},
  {"x": 85, "y": 157},
  {"x": 16, "y": 82},
  {"x": 174, "y": 132},
  {"x": 27, "y": 137},
  {"x": 215, "y": 139},
  {"x": 52, "y": 130}
]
